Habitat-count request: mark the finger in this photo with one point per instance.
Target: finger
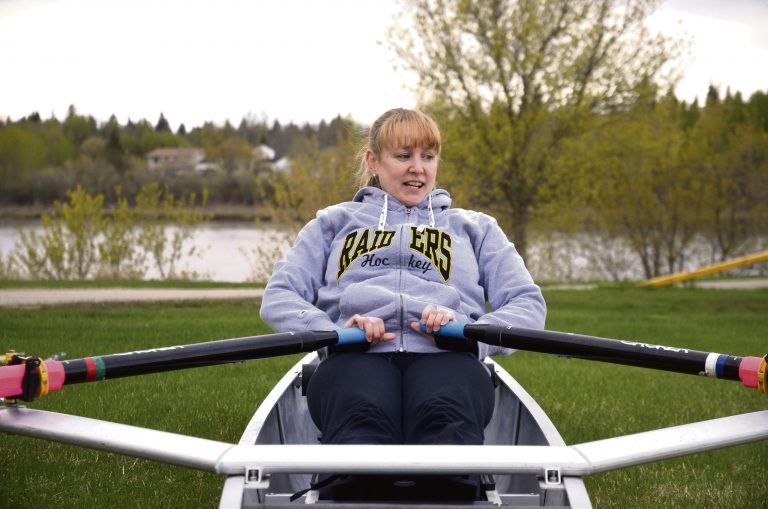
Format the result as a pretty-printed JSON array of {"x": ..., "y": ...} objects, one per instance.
[
  {"x": 426, "y": 312},
  {"x": 370, "y": 331},
  {"x": 379, "y": 329},
  {"x": 352, "y": 321},
  {"x": 442, "y": 319},
  {"x": 426, "y": 317},
  {"x": 373, "y": 327},
  {"x": 435, "y": 318}
]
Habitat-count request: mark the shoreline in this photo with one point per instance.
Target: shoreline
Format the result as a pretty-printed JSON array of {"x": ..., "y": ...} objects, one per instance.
[{"x": 217, "y": 213}]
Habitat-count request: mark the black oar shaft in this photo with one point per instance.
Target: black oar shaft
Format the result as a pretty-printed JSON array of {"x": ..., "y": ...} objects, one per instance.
[
  {"x": 631, "y": 353},
  {"x": 27, "y": 378},
  {"x": 170, "y": 358}
]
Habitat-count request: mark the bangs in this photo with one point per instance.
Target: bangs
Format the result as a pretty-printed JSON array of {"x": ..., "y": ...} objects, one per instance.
[{"x": 409, "y": 129}]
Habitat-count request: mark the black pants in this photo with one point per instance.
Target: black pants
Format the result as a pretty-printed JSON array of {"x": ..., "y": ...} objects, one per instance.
[{"x": 401, "y": 398}]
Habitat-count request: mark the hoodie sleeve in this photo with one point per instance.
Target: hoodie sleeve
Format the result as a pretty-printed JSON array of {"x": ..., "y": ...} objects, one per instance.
[
  {"x": 515, "y": 300},
  {"x": 288, "y": 302}
]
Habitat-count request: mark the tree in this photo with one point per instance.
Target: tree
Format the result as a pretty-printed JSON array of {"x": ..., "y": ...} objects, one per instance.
[
  {"x": 631, "y": 178},
  {"x": 758, "y": 109},
  {"x": 33, "y": 118},
  {"x": 317, "y": 179},
  {"x": 234, "y": 153},
  {"x": 113, "y": 149},
  {"x": 731, "y": 157},
  {"x": 162, "y": 125},
  {"x": 67, "y": 246},
  {"x": 20, "y": 151},
  {"x": 511, "y": 80},
  {"x": 78, "y": 128}
]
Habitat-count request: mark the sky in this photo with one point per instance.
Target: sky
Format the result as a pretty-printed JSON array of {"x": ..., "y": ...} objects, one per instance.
[{"x": 288, "y": 60}]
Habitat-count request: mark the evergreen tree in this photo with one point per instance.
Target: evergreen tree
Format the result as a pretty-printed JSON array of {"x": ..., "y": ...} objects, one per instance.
[
  {"x": 113, "y": 150},
  {"x": 162, "y": 125},
  {"x": 758, "y": 110},
  {"x": 691, "y": 114},
  {"x": 713, "y": 96}
]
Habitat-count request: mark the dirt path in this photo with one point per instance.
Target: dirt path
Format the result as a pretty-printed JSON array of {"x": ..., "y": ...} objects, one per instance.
[
  {"x": 43, "y": 297},
  {"x": 734, "y": 284},
  {"x": 39, "y": 297}
]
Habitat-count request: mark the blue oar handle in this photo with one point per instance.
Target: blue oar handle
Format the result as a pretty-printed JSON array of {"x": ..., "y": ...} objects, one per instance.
[
  {"x": 350, "y": 336},
  {"x": 451, "y": 329}
]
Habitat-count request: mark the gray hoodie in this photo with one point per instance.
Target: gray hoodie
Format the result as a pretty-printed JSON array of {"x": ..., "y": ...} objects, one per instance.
[{"x": 375, "y": 257}]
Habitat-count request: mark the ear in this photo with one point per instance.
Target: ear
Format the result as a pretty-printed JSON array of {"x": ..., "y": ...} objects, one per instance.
[{"x": 371, "y": 161}]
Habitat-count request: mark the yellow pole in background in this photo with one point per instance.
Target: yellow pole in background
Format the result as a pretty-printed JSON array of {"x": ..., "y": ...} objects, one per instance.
[{"x": 671, "y": 279}]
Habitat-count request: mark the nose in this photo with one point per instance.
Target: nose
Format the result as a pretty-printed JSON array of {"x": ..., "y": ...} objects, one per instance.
[{"x": 417, "y": 166}]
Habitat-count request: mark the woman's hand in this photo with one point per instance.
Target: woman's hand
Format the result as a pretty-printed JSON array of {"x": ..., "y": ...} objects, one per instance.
[
  {"x": 373, "y": 327},
  {"x": 433, "y": 318}
]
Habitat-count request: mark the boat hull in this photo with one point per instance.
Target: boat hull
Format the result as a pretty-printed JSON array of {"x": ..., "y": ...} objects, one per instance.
[{"x": 283, "y": 418}]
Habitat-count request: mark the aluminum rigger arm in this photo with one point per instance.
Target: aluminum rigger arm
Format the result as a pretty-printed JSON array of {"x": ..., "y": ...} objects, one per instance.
[{"x": 258, "y": 462}]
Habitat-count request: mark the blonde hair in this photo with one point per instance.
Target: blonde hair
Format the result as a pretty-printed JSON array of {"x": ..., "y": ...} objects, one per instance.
[{"x": 397, "y": 127}]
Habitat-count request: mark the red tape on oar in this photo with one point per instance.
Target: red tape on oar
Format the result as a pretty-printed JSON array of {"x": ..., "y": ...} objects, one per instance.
[{"x": 26, "y": 378}]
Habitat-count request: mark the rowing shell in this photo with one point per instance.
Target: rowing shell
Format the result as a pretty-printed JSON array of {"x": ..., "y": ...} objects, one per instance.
[{"x": 283, "y": 419}]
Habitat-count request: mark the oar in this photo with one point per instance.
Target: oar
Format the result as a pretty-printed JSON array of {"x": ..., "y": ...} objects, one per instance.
[
  {"x": 29, "y": 377},
  {"x": 750, "y": 370}
]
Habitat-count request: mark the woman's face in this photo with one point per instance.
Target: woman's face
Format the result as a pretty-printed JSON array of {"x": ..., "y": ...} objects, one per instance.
[{"x": 406, "y": 173}]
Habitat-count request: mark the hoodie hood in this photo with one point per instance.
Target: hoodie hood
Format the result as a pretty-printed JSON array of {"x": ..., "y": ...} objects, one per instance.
[{"x": 437, "y": 200}]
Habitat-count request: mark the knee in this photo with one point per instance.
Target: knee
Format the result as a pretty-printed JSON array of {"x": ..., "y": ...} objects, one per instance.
[
  {"x": 440, "y": 407},
  {"x": 364, "y": 407},
  {"x": 445, "y": 419},
  {"x": 362, "y": 420}
]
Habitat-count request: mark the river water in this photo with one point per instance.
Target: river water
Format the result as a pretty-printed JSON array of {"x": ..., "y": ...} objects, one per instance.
[
  {"x": 232, "y": 252},
  {"x": 241, "y": 252}
]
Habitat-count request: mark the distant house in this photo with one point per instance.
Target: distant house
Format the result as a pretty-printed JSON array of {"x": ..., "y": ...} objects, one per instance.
[
  {"x": 177, "y": 160},
  {"x": 282, "y": 165},
  {"x": 263, "y": 153}
]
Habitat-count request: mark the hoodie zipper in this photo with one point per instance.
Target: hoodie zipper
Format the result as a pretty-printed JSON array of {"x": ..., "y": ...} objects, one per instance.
[{"x": 401, "y": 349}]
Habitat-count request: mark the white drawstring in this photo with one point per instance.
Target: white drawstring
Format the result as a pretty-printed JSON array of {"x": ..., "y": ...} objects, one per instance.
[
  {"x": 383, "y": 214},
  {"x": 431, "y": 216}
]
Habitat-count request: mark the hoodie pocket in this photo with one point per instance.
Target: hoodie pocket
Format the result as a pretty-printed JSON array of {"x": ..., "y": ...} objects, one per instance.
[
  {"x": 426, "y": 293},
  {"x": 369, "y": 300}
]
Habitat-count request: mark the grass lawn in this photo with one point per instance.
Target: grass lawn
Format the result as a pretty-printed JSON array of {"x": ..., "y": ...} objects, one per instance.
[{"x": 586, "y": 400}]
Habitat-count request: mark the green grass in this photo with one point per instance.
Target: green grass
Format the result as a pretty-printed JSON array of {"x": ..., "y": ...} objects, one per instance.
[
  {"x": 590, "y": 400},
  {"x": 586, "y": 400}
]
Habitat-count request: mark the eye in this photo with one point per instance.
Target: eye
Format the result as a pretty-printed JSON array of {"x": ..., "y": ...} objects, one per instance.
[{"x": 403, "y": 156}]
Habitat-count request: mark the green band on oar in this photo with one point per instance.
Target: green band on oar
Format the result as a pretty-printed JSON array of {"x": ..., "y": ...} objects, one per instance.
[{"x": 155, "y": 360}]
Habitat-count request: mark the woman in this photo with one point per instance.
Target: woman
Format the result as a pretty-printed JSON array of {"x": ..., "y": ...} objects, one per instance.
[{"x": 396, "y": 255}]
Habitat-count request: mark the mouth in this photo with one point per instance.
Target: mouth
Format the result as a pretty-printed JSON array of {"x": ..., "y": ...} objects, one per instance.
[{"x": 415, "y": 185}]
